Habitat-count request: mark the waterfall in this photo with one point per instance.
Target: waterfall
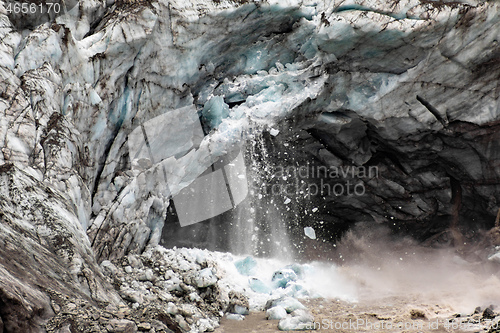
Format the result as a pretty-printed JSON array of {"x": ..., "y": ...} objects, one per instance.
[{"x": 259, "y": 226}]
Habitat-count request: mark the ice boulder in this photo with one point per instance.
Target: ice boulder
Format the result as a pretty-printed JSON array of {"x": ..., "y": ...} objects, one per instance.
[
  {"x": 146, "y": 275},
  {"x": 290, "y": 304},
  {"x": 258, "y": 286},
  {"x": 299, "y": 320},
  {"x": 246, "y": 266},
  {"x": 298, "y": 269},
  {"x": 277, "y": 312},
  {"x": 214, "y": 111},
  {"x": 234, "y": 316},
  {"x": 282, "y": 277},
  {"x": 241, "y": 310},
  {"x": 296, "y": 290},
  {"x": 205, "y": 278}
]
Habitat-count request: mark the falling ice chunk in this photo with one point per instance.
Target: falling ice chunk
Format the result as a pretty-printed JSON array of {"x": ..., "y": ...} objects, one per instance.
[
  {"x": 309, "y": 232},
  {"x": 287, "y": 201},
  {"x": 274, "y": 132}
]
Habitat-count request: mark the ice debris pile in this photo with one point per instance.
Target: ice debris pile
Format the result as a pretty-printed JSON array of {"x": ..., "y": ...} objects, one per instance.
[
  {"x": 194, "y": 288},
  {"x": 188, "y": 286},
  {"x": 191, "y": 289},
  {"x": 276, "y": 288}
]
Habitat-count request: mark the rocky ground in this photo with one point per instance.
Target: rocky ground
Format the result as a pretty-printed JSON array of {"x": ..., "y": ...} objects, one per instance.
[
  {"x": 391, "y": 314},
  {"x": 191, "y": 290},
  {"x": 163, "y": 291}
]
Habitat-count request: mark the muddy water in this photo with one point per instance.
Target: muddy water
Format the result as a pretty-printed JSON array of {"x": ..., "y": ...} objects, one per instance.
[{"x": 389, "y": 315}]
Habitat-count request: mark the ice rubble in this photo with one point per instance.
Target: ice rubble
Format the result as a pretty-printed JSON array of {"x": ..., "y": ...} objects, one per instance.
[
  {"x": 221, "y": 284},
  {"x": 175, "y": 272},
  {"x": 275, "y": 287}
]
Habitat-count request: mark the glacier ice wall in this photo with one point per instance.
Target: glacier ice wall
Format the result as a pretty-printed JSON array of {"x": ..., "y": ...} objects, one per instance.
[
  {"x": 76, "y": 87},
  {"x": 83, "y": 82},
  {"x": 409, "y": 86}
]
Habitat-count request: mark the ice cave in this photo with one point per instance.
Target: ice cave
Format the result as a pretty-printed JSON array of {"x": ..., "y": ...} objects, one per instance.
[{"x": 238, "y": 166}]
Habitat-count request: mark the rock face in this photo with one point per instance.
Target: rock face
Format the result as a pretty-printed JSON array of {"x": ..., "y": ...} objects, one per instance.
[{"x": 409, "y": 87}]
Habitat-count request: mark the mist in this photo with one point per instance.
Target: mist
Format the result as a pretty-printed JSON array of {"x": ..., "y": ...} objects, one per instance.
[{"x": 375, "y": 264}]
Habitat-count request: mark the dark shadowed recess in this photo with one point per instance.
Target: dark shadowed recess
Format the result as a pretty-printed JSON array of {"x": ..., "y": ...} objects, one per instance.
[{"x": 438, "y": 187}]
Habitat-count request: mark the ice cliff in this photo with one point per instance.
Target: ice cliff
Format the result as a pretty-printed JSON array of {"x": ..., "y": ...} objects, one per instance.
[{"x": 409, "y": 86}]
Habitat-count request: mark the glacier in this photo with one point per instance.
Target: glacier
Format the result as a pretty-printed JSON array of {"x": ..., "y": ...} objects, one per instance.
[{"x": 411, "y": 87}]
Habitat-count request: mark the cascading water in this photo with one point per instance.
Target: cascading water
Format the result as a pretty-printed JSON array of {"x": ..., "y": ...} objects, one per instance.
[
  {"x": 259, "y": 225},
  {"x": 270, "y": 221}
]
